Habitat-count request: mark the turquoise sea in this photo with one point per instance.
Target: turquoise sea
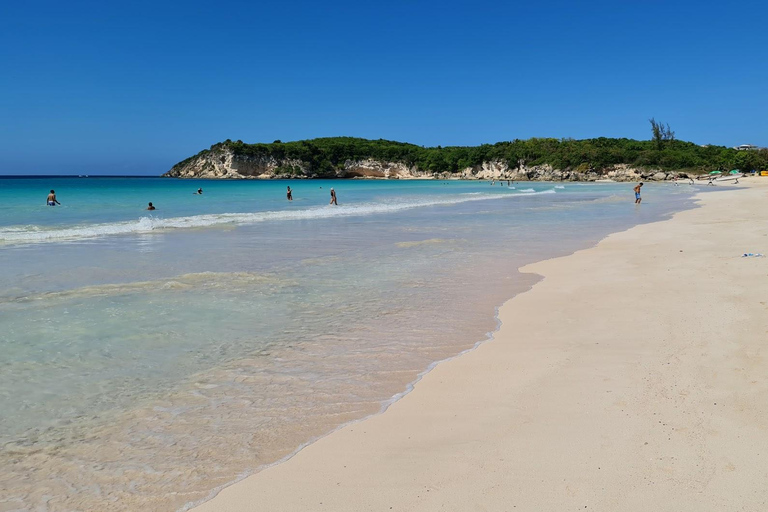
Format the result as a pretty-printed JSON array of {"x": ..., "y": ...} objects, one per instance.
[{"x": 150, "y": 357}]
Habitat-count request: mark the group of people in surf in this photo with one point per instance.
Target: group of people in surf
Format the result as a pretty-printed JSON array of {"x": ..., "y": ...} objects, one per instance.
[
  {"x": 52, "y": 201},
  {"x": 289, "y": 195},
  {"x": 198, "y": 192}
]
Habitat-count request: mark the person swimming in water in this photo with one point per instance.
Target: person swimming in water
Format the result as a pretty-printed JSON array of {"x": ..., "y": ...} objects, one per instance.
[
  {"x": 151, "y": 207},
  {"x": 289, "y": 195},
  {"x": 52, "y": 201},
  {"x": 199, "y": 192},
  {"x": 333, "y": 197}
]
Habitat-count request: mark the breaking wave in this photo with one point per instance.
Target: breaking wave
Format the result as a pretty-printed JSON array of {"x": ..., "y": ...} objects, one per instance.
[{"x": 35, "y": 234}]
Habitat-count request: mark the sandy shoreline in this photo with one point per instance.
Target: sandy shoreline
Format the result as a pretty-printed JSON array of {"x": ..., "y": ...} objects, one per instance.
[{"x": 633, "y": 377}]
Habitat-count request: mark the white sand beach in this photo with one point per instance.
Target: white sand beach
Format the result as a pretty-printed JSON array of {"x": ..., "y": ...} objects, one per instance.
[{"x": 633, "y": 377}]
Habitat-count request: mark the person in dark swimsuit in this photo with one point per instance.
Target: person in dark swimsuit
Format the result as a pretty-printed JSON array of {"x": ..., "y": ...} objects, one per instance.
[
  {"x": 333, "y": 197},
  {"x": 289, "y": 195}
]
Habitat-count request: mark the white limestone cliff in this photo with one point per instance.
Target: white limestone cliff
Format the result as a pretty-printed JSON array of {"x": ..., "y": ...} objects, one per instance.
[{"x": 225, "y": 164}]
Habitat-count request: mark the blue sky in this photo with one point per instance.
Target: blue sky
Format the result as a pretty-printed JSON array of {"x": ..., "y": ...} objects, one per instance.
[{"x": 97, "y": 88}]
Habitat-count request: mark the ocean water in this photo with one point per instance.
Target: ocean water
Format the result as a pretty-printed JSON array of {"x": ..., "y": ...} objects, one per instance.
[{"x": 151, "y": 357}]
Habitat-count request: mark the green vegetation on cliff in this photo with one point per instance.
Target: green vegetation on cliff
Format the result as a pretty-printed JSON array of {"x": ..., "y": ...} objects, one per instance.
[{"x": 323, "y": 155}]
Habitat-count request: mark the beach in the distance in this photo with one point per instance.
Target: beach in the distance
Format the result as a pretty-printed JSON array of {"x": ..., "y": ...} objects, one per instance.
[{"x": 632, "y": 378}]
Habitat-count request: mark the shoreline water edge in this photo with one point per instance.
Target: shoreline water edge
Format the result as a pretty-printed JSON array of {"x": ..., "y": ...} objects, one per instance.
[
  {"x": 386, "y": 404},
  {"x": 460, "y": 463}
]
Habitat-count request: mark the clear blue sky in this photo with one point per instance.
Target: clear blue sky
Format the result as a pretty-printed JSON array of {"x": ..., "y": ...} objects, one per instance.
[{"x": 132, "y": 88}]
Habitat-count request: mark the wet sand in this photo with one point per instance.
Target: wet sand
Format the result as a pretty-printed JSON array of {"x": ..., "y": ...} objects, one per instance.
[{"x": 633, "y": 377}]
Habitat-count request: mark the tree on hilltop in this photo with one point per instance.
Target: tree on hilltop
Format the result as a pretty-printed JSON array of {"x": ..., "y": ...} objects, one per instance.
[{"x": 661, "y": 133}]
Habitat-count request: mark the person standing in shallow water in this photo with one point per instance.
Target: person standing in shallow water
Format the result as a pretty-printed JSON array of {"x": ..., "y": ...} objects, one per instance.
[
  {"x": 333, "y": 197},
  {"x": 52, "y": 201},
  {"x": 289, "y": 195},
  {"x": 637, "y": 188}
]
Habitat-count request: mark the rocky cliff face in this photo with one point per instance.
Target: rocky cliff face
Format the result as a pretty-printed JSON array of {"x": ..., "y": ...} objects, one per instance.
[
  {"x": 223, "y": 163},
  {"x": 370, "y": 168}
]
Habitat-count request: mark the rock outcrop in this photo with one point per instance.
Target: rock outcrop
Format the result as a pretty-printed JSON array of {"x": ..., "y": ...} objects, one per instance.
[
  {"x": 370, "y": 168},
  {"x": 224, "y": 163}
]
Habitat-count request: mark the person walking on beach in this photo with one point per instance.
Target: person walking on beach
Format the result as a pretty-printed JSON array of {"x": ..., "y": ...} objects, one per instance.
[
  {"x": 333, "y": 197},
  {"x": 150, "y": 207},
  {"x": 637, "y": 188},
  {"x": 289, "y": 194},
  {"x": 52, "y": 201}
]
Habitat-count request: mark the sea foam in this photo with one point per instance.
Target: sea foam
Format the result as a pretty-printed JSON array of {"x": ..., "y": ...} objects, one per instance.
[{"x": 34, "y": 234}]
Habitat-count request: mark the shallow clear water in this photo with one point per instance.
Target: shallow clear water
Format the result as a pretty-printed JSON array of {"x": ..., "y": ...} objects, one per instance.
[{"x": 149, "y": 359}]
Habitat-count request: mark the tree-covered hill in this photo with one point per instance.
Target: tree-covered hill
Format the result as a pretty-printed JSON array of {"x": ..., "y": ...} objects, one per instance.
[{"x": 323, "y": 155}]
